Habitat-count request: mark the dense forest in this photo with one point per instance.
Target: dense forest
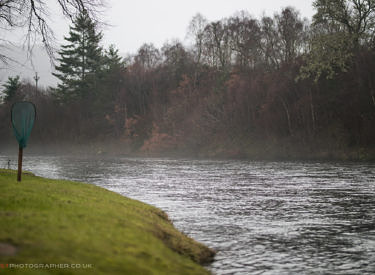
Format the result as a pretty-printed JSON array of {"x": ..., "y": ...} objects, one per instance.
[{"x": 275, "y": 87}]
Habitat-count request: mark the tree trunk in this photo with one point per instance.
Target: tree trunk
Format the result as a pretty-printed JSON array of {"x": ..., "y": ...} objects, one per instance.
[
  {"x": 312, "y": 108},
  {"x": 287, "y": 115}
]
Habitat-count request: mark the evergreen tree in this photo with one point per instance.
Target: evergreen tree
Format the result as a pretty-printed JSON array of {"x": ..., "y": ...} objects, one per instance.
[
  {"x": 112, "y": 80},
  {"x": 112, "y": 60},
  {"x": 80, "y": 60},
  {"x": 112, "y": 73},
  {"x": 11, "y": 87}
]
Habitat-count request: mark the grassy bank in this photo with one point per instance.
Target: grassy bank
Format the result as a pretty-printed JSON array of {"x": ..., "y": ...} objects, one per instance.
[{"x": 47, "y": 221}]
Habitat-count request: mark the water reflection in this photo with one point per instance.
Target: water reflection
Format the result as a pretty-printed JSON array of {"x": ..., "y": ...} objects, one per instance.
[{"x": 262, "y": 217}]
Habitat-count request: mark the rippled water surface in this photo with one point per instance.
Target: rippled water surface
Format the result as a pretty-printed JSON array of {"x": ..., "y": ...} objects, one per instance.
[{"x": 261, "y": 217}]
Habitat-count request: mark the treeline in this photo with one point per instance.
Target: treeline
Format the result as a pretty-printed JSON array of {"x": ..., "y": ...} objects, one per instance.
[{"x": 273, "y": 87}]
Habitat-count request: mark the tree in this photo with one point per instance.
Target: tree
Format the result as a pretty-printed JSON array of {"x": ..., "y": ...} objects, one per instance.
[
  {"x": 196, "y": 31},
  {"x": 291, "y": 29},
  {"x": 270, "y": 42},
  {"x": 338, "y": 30},
  {"x": 11, "y": 87},
  {"x": 329, "y": 54},
  {"x": 176, "y": 59},
  {"x": 112, "y": 61},
  {"x": 245, "y": 35},
  {"x": 80, "y": 60},
  {"x": 356, "y": 17},
  {"x": 109, "y": 103},
  {"x": 33, "y": 16},
  {"x": 217, "y": 45},
  {"x": 148, "y": 56}
]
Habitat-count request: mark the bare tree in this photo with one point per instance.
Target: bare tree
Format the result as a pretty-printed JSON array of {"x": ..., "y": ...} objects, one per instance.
[
  {"x": 33, "y": 17},
  {"x": 196, "y": 31},
  {"x": 292, "y": 33},
  {"x": 148, "y": 56},
  {"x": 270, "y": 42},
  {"x": 217, "y": 44},
  {"x": 245, "y": 35}
]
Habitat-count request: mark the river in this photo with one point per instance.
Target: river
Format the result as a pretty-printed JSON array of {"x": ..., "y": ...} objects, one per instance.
[{"x": 261, "y": 217}]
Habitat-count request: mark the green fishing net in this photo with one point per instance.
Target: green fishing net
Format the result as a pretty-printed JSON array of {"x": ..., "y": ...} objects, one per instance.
[{"x": 23, "y": 117}]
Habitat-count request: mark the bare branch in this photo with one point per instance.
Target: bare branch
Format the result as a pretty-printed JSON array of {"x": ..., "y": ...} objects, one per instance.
[{"x": 33, "y": 16}]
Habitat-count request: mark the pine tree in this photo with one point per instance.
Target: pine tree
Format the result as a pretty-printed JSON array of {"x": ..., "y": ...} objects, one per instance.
[
  {"x": 107, "y": 103},
  {"x": 11, "y": 87},
  {"x": 112, "y": 60},
  {"x": 80, "y": 60}
]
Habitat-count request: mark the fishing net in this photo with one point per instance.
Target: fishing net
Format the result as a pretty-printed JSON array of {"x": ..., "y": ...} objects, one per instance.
[{"x": 23, "y": 117}]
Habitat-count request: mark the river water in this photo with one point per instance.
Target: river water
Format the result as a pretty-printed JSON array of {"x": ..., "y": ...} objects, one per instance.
[{"x": 261, "y": 217}]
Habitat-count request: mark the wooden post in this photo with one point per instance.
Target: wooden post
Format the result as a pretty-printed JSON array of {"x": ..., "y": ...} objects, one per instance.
[{"x": 20, "y": 151}]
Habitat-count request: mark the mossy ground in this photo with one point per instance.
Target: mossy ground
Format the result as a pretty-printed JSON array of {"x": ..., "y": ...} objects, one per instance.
[{"x": 63, "y": 222}]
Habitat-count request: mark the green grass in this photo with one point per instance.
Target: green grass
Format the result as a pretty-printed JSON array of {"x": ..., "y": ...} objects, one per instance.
[{"x": 63, "y": 222}]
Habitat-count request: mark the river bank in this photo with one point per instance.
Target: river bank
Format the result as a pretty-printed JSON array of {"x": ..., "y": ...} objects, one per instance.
[{"x": 50, "y": 222}]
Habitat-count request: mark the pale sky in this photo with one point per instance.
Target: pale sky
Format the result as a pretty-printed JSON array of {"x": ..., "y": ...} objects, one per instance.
[{"x": 134, "y": 22}]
